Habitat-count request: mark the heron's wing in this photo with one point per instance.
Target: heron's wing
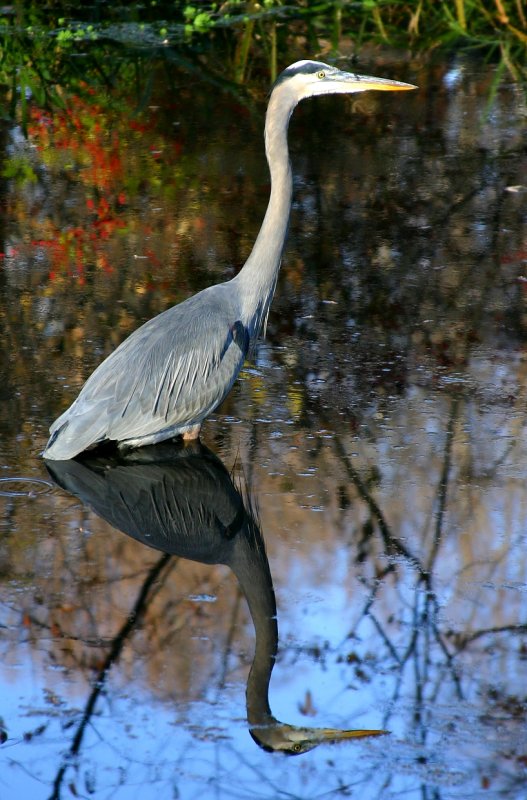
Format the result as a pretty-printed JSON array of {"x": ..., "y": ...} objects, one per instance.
[
  {"x": 184, "y": 372},
  {"x": 171, "y": 372}
]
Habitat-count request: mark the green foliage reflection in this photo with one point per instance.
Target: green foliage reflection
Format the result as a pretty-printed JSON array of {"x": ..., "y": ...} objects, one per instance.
[{"x": 45, "y": 49}]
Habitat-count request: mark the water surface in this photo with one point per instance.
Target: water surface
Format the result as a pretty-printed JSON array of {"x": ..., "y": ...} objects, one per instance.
[{"x": 379, "y": 429}]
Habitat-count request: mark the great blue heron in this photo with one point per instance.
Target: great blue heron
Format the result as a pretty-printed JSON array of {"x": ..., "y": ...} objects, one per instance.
[
  {"x": 182, "y": 500},
  {"x": 172, "y": 372}
]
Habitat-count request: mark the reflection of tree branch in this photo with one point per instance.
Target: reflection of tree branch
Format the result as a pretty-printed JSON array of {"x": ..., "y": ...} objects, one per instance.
[
  {"x": 424, "y": 616},
  {"x": 391, "y": 542},
  {"x": 457, "y": 206},
  {"x": 132, "y": 620},
  {"x": 385, "y": 638},
  {"x": 463, "y": 640},
  {"x": 443, "y": 484},
  {"x": 230, "y": 638}
]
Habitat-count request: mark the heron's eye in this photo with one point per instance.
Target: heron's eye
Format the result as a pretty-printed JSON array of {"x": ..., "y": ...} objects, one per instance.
[
  {"x": 321, "y": 74},
  {"x": 297, "y": 748}
]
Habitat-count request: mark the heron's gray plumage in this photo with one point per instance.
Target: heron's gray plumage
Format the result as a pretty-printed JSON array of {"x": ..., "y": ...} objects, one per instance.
[
  {"x": 171, "y": 373},
  {"x": 158, "y": 380}
]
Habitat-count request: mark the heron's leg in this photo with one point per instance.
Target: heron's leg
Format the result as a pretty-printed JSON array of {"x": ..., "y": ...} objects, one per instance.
[{"x": 191, "y": 434}]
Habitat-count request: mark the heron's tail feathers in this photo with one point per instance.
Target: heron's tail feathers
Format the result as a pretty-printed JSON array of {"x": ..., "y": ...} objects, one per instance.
[{"x": 71, "y": 435}]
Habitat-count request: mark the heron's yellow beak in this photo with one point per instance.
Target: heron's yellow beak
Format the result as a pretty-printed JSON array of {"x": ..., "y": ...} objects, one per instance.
[
  {"x": 336, "y": 735},
  {"x": 367, "y": 82}
]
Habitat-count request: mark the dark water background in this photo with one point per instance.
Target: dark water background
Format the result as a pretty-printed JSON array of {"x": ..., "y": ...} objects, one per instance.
[{"x": 380, "y": 427}]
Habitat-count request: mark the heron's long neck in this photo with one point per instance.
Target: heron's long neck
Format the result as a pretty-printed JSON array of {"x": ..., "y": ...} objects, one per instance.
[
  {"x": 252, "y": 570},
  {"x": 257, "y": 279}
]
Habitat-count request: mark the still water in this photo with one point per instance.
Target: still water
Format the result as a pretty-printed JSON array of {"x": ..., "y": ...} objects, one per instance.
[{"x": 375, "y": 443}]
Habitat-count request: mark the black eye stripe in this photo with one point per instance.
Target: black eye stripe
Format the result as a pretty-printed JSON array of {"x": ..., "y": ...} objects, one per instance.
[{"x": 305, "y": 68}]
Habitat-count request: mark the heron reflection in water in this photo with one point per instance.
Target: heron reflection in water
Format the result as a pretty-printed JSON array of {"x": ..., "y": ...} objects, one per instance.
[
  {"x": 182, "y": 500},
  {"x": 174, "y": 370}
]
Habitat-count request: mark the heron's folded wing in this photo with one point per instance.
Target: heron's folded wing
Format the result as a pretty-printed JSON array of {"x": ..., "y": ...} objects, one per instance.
[
  {"x": 181, "y": 371},
  {"x": 171, "y": 372}
]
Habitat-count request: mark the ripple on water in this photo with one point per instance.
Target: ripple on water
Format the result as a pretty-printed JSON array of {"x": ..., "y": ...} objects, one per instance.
[{"x": 24, "y": 487}]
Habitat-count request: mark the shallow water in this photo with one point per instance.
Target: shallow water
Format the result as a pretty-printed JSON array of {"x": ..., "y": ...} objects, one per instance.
[{"x": 376, "y": 440}]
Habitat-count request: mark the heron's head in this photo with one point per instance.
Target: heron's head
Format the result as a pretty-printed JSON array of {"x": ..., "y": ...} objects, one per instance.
[
  {"x": 308, "y": 78},
  {"x": 292, "y": 740}
]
